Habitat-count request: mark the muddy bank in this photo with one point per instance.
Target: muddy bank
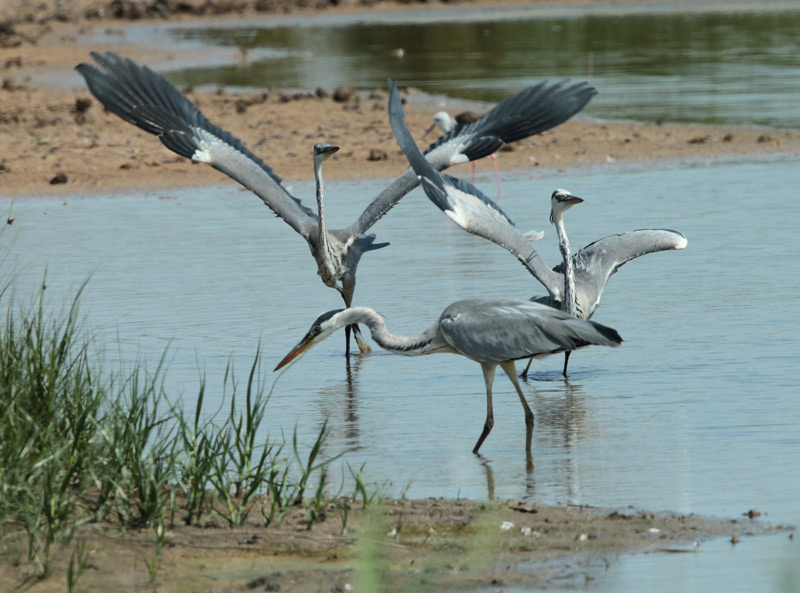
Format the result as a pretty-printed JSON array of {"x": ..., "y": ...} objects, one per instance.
[
  {"x": 434, "y": 544},
  {"x": 63, "y": 141}
]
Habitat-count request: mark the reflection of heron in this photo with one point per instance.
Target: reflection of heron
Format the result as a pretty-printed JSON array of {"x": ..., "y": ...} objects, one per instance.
[
  {"x": 141, "y": 97},
  {"x": 448, "y": 123},
  {"x": 340, "y": 400},
  {"x": 491, "y": 332},
  {"x": 470, "y": 209}
]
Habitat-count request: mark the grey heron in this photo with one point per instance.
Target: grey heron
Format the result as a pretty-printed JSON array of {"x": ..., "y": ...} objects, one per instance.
[
  {"x": 561, "y": 201},
  {"x": 491, "y": 332},
  {"x": 474, "y": 212},
  {"x": 147, "y": 100},
  {"x": 447, "y": 123},
  {"x": 588, "y": 271}
]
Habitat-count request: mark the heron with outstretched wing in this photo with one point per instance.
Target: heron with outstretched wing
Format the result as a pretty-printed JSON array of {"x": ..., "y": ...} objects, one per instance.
[
  {"x": 147, "y": 100},
  {"x": 474, "y": 212}
]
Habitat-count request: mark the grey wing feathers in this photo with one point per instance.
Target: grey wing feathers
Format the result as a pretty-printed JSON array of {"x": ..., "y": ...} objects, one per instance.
[
  {"x": 147, "y": 100},
  {"x": 500, "y": 330},
  {"x": 465, "y": 205},
  {"x": 531, "y": 111},
  {"x": 598, "y": 261}
]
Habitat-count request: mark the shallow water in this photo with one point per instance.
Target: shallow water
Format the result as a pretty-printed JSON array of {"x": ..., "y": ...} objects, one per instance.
[
  {"x": 709, "y": 67},
  {"x": 697, "y": 412}
]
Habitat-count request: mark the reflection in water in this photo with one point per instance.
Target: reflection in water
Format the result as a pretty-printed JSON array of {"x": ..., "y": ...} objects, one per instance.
[
  {"x": 561, "y": 421},
  {"x": 340, "y": 400},
  {"x": 487, "y": 466},
  {"x": 712, "y": 68}
]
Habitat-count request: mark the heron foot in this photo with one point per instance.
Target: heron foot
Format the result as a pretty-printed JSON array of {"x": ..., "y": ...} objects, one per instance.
[
  {"x": 487, "y": 428},
  {"x": 362, "y": 345}
]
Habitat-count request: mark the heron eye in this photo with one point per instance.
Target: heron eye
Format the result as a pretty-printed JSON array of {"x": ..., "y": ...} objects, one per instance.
[{"x": 316, "y": 329}]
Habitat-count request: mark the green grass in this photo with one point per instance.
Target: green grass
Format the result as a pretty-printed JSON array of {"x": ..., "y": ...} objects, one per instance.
[{"x": 79, "y": 443}]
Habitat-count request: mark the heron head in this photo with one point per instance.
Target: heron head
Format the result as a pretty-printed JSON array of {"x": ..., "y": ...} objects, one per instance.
[
  {"x": 443, "y": 120},
  {"x": 323, "y": 326},
  {"x": 323, "y": 150},
  {"x": 561, "y": 201}
]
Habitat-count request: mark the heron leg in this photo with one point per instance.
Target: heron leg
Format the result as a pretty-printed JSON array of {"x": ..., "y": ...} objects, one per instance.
[
  {"x": 527, "y": 368},
  {"x": 488, "y": 377},
  {"x": 496, "y": 176},
  {"x": 511, "y": 370},
  {"x": 566, "y": 360}
]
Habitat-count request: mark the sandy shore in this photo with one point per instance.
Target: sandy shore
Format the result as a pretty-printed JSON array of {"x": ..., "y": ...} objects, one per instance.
[
  {"x": 403, "y": 545},
  {"x": 62, "y": 141}
]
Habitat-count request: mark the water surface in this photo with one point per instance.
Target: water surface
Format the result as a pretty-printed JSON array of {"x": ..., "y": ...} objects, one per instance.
[
  {"x": 709, "y": 67},
  {"x": 696, "y": 412}
]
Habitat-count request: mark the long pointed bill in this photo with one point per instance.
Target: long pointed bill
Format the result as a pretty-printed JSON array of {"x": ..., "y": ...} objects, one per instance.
[
  {"x": 304, "y": 345},
  {"x": 572, "y": 200},
  {"x": 429, "y": 130}
]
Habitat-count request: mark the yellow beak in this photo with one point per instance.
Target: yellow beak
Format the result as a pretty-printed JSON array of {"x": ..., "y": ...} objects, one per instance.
[{"x": 304, "y": 345}]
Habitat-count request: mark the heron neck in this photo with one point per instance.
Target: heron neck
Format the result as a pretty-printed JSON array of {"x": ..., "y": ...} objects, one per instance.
[
  {"x": 448, "y": 125},
  {"x": 423, "y": 343},
  {"x": 569, "y": 306},
  {"x": 324, "y": 242}
]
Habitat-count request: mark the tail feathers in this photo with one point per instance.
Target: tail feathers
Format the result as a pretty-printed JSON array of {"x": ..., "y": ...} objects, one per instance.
[
  {"x": 367, "y": 243},
  {"x": 610, "y": 334}
]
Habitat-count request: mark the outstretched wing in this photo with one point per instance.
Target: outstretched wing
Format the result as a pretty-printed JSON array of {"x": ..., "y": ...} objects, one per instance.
[
  {"x": 496, "y": 330},
  {"x": 598, "y": 261},
  {"x": 531, "y": 111},
  {"x": 147, "y": 100},
  {"x": 465, "y": 205}
]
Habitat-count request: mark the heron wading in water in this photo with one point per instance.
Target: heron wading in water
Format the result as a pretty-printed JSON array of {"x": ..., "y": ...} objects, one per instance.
[
  {"x": 474, "y": 212},
  {"x": 147, "y": 100},
  {"x": 491, "y": 332}
]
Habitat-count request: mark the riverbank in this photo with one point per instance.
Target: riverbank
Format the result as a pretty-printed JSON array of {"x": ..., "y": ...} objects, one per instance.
[
  {"x": 399, "y": 545},
  {"x": 62, "y": 141},
  {"x": 59, "y": 139}
]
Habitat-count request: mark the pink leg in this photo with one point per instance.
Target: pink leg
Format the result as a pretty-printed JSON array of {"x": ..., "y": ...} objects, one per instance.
[{"x": 497, "y": 177}]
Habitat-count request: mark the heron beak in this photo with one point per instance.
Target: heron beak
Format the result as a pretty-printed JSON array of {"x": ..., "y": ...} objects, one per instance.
[
  {"x": 572, "y": 200},
  {"x": 304, "y": 345},
  {"x": 429, "y": 130},
  {"x": 329, "y": 150}
]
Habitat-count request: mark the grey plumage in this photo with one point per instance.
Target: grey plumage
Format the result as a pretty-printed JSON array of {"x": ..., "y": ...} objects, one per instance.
[
  {"x": 147, "y": 100},
  {"x": 491, "y": 332},
  {"x": 598, "y": 261},
  {"x": 474, "y": 212}
]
